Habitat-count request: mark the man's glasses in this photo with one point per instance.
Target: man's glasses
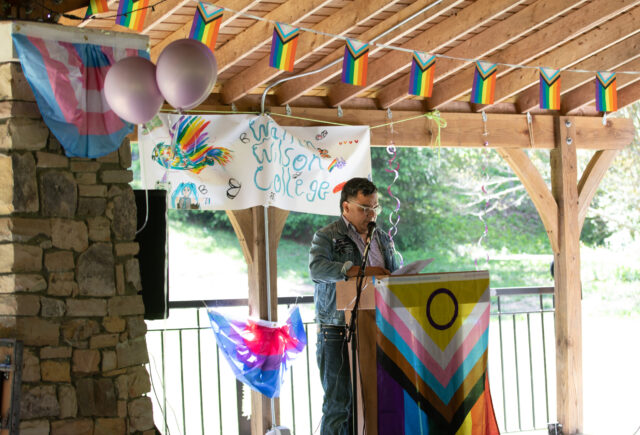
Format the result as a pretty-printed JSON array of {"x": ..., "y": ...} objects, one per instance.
[{"x": 376, "y": 209}]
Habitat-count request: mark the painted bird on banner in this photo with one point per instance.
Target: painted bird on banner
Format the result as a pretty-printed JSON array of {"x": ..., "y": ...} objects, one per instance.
[
  {"x": 191, "y": 150},
  {"x": 432, "y": 339}
]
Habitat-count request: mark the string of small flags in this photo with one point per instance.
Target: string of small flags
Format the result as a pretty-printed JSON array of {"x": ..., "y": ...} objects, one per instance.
[{"x": 207, "y": 19}]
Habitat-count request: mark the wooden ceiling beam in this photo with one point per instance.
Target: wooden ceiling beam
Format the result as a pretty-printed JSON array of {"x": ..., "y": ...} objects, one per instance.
[
  {"x": 161, "y": 12},
  {"x": 574, "y": 101},
  {"x": 531, "y": 47},
  {"x": 629, "y": 95},
  {"x": 620, "y": 54},
  {"x": 480, "y": 45},
  {"x": 463, "y": 130},
  {"x": 291, "y": 90},
  {"x": 183, "y": 32},
  {"x": 569, "y": 54},
  {"x": 351, "y": 15},
  {"x": 431, "y": 40},
  {"x": 260, "y": 33}
]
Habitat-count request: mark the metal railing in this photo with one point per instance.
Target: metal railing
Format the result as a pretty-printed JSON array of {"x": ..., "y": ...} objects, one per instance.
[{"x": 195, "y": 392}]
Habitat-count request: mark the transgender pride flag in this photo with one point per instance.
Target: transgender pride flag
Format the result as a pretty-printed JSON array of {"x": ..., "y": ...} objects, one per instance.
[
  {"x": 259, "y": 351},
  {"x": 66, "y": 74}
]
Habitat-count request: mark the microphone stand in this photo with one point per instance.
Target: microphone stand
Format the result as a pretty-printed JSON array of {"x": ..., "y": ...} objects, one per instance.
[{"x": 352, "y": 336}]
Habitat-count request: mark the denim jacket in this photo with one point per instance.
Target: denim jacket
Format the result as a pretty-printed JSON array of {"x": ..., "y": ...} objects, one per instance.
[{"x": 330, "y": 249}]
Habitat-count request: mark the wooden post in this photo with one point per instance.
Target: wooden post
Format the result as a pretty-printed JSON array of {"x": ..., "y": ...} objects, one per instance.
[
  {"x": 250, "y": 230},
  {"x": 568, "y": 289}
]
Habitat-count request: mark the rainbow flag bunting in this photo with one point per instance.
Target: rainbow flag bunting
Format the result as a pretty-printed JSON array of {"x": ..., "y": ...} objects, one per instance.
[
  {"x": 283, "y": 46},
  {"x": 354, "y": 64},
  {"x": 206, "y": 23},
  {"x": 96, "y": 7},
  {"x": 132, "y": 13},
  {"x": 549, "y": 88},
  {"x": 606, "y": 93},
  {"x": 432, "y": 341},
  {"x": 422, "y": 70},
  {"x": 484, "y": 83}
]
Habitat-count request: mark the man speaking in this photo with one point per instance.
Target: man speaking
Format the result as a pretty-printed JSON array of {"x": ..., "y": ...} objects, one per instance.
[{"x": 336, "y": 254}]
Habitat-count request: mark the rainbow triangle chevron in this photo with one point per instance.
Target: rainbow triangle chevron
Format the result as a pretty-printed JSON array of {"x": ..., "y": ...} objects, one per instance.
[
  {"x": 484, "y": 83},
  {"x": 431, "y": 351},
  {"x": 549, "y": 88},
  {"x": 206, "y": 23},
  {"x": 132, "y": 13},
  {"x": 283, "y": 46},
  {"x": 354, "y": 63},
  {"x": 96, "y": 7},
  {"x": 422, "y": 72},
  {"x": 606, "y": 92}
]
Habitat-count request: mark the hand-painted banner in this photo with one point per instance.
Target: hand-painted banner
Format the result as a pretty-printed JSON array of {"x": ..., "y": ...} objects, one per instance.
[
  {"x": 206, "y": 24},
  {"x": 232, "y": 162},
  {"x": 66, "y": 72},
  {"x": 550, "y": 88},
  {"x": 259, "y": 351},
  {"x": 432, "y": 338}
]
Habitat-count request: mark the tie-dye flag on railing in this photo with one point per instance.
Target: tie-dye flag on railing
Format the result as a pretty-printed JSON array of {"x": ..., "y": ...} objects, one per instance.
[
  {"x": 431, "y": 345},
  {"x": 606, "y": 92},
  {"x": 259, "y": 351},
  {"x": 206, "y": 24},
  {"x": 283, "y": 47},
  {"x": 484, "y": 83},
  {"x": 550, "y": 88},
  {"x": 96, "y": 7},
  {"x": 354, "y": 63},
  {"x": 421, "y": 77},
  {"x": 132, "y": 13}
]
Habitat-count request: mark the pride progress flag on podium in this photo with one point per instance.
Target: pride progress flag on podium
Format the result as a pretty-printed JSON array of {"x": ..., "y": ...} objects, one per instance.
[{"x": 431, "y": 351}]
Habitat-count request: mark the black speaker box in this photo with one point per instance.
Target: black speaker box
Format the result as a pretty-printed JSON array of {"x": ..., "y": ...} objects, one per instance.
[{"x": 154, "y": 252}]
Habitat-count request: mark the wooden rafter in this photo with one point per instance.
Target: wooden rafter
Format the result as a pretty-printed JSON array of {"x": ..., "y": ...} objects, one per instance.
[
  {"x": 295, "y": 88},
  {"x": 351, "y": 15},
  {"x": 258, "y": 34},
  {"x": 569, "y": 54},
  {"x": 613, "y": 58},
  {"x": 480, "y": 45},
  {"x": 629, "y": 94},
  {"x": 431, "y": 40},
  {"x": 531, "y": 47},
  {"x": 183, "y": 31}
]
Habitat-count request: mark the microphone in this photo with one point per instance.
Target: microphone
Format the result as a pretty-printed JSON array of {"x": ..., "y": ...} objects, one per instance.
[{"x": 371, "y": 226}]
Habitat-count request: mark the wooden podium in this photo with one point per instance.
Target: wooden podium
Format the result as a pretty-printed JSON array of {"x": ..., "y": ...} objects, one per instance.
[{"x": 366, "y": 333}]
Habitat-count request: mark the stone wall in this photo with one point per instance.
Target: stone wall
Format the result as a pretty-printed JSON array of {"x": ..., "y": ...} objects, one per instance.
[{"x": 69, "y": 277}]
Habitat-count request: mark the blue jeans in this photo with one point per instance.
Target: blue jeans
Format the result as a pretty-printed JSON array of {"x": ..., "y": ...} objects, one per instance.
[{"x": 333, "y": 361}]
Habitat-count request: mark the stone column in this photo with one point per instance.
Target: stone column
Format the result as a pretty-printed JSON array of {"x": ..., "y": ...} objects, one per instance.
[{"x": 69, "y": 276}]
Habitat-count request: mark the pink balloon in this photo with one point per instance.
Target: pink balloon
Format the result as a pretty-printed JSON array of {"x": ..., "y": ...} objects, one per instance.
[
  {"x": 186, "y": 72},
  {"x": 131, "y": 91}
]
